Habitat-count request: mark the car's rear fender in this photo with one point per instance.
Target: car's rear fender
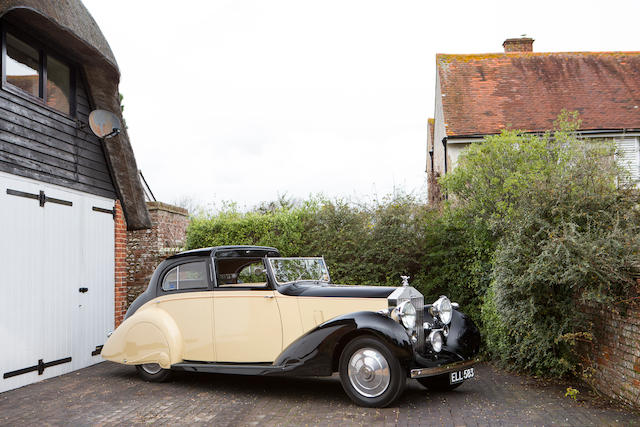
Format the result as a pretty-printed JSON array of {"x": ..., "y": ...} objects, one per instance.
[
  {"x": 316, "y": 352},
  {"x": 149, "y": 336}
]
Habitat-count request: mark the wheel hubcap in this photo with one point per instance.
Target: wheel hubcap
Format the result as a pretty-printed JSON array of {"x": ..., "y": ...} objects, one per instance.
[
  {"x": 369, "y": 372},
  {"x": 151, "y": 368}
]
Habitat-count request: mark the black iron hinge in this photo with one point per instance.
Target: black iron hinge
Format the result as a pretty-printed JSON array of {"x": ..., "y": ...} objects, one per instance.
[
  {"x": 97, "y": 351},
  {"x": 40, "y": 367},
  {"x": 41, "y": 197},
  {"x": 107, "y": 211}
]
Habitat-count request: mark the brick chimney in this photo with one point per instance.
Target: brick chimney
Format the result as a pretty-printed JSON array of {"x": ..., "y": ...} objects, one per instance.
[{"x": 523, "y": 44}]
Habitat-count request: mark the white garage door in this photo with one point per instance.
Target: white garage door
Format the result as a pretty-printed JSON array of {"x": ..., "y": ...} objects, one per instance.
[{"x": 56, "y": 279}]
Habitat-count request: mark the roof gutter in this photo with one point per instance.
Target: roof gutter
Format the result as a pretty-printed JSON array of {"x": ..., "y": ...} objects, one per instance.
[{"x": 477, "y": 137}]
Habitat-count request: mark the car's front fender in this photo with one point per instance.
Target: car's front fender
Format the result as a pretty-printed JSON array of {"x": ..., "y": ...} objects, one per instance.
[
  {"x": 149, "y": 336},
  {"x": 315, "y": 352}
]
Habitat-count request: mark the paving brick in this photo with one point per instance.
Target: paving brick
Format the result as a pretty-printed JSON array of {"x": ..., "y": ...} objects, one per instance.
[{"x": 112, "y": 394}]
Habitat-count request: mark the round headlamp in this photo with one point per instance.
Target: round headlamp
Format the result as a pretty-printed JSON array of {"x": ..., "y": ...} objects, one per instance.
[
  {"x": 435, "y": 338},
  {"x": 405, "y": 313},
  {"x": 443, "y": 308}
]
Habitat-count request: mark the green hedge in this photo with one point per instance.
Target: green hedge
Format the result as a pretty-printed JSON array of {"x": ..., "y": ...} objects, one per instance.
[{"x": 370, "y": 244}]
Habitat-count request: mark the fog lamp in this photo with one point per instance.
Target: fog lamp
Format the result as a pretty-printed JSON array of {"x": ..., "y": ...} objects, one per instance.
[{"x": 435, "y": 338}]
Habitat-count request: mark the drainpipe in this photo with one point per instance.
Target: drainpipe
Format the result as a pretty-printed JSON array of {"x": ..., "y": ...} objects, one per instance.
[
  {"x": 444, "y": 144},
  {"x": 431, "y": 155}
]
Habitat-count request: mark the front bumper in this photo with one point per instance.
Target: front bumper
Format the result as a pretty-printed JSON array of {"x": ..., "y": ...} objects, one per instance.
[{"x": 444, "y": 369}]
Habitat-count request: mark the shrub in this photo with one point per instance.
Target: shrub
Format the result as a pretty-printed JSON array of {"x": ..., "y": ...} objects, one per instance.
[{"x": 566, "y": 232}]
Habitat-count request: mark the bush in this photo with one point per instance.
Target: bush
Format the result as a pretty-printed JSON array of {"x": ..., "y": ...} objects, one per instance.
[{"x": 566, "y": 231}]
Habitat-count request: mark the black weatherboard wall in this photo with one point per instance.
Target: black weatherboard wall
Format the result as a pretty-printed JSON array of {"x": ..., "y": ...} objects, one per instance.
[{"x": 39, "y": 142}]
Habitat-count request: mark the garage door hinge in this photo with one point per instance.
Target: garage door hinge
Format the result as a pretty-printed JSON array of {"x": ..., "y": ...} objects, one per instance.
[
  {"x": 41, "y": 197},
  {"x": 40, "y": 367},
  {"x": 97, "y": 351},
  {"x": 107, "y": 211}
]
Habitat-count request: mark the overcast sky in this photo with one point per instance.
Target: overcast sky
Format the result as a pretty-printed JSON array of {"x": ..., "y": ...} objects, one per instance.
[{"x": 244, "y": 100}]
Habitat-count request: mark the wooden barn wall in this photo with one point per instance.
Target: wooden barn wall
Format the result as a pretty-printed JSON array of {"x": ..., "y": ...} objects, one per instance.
[{"x": 39, "y": 143}]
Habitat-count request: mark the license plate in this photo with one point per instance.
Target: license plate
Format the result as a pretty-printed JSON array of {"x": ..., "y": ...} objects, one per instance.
[{"x": 461, "y": 375}]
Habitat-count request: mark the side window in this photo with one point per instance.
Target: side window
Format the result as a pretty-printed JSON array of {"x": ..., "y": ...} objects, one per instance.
[
  {"x": 253, "y": 273},
  {"x": 241, "y": 273},
  {"x": 192, "y": 275}
]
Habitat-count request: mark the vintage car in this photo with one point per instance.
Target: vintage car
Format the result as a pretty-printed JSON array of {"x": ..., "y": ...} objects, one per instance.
[{"x": 247, "y": 310}]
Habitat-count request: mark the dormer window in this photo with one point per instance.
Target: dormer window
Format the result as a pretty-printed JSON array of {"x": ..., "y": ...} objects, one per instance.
[{"x": 31, "y": 69}]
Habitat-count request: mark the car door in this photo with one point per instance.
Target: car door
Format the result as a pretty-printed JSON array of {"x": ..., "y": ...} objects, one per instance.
[
  {"x": 185, "y": 294},
  {"x": 247, "y": 325}
]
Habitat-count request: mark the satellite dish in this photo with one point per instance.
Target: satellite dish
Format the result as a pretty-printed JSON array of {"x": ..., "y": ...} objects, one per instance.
[{"x": 104, "y": 123}]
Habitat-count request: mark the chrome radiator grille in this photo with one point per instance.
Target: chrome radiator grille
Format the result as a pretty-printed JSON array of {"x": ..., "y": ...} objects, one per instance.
[
  {"x": 408, "y": 293},
  {"x": 418, "y": 303}
]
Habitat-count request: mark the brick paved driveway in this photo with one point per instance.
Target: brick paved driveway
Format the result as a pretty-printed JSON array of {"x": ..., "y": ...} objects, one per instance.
[{"x": 112, "y": 394}]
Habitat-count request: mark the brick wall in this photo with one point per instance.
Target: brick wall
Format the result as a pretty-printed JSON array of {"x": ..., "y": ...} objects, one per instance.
[
  {"x": 615, "y": 355},
  {"x": 120, "y": 265},
  {"x": 147, "y": 248}
]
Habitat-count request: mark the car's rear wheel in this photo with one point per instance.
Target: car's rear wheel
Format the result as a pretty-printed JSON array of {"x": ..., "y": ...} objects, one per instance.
[
  {"x": 153, "y": 372},
  {"x": 370, "y": 374},
  {"x": 438, "y": 383}
]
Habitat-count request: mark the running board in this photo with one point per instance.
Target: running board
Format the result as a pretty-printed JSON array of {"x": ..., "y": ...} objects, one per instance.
[{"x": 232, "y": 368}]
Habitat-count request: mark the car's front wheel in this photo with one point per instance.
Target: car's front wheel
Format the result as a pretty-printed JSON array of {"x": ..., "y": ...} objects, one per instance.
[
  {"x": 438, "y": 383},
  {"x": 370, "y": 374},
  {"x": 153, "y": 372}
]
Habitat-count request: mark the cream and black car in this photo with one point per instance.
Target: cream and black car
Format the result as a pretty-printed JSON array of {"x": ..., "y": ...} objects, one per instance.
[{"x": 247, "y": 310}]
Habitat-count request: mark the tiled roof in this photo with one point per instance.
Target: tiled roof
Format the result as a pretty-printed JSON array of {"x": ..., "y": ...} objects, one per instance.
[{"x": 483, "y": 94}]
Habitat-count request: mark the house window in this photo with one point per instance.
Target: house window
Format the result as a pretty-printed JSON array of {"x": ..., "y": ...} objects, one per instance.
[
  {"x": 628, "y": 152},
  {"x": 32, "y": 69},
  {"x": 22, "y": 66}
]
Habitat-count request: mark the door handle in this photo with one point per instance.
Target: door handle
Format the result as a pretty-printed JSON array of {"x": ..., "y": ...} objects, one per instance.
[
  {"x": 83, "y": 290},
  {"x": 268, "y": 296}
]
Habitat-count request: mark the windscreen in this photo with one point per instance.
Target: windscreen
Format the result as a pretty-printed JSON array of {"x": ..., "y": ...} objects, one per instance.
[{"x": 287, "y": 270}]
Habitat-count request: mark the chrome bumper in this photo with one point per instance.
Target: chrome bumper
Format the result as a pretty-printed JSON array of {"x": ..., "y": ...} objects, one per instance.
[{"x": 430, "y": 372}]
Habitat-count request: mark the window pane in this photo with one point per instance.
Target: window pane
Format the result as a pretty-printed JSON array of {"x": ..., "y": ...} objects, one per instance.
[
  {"x": 253, "y": 273},
  {"x": 192, "y": 275},
  {"x": 22, "y": 65},
  {"x": 170, "y": 281},
  {"x": 58, "y": 85}
]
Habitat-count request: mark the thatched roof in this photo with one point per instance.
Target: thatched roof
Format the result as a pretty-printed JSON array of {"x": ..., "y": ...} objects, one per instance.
[{"x": 68, "y": 23}]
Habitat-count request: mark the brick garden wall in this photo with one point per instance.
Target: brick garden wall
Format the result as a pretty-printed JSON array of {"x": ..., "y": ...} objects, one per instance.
[
  {"x": 615, "y": 357},
  {"x": 147, "y": 248}
]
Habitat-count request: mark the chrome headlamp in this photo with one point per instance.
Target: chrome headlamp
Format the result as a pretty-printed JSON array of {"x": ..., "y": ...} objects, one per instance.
[
  {"x": 406, "y": 314},
  {"x": 435, "y": 338},
  {"x": 443, "y": 309}
]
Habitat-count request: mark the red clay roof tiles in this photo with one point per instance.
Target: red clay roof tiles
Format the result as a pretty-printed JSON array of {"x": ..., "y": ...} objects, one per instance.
[{"x": 483, "y": 94}]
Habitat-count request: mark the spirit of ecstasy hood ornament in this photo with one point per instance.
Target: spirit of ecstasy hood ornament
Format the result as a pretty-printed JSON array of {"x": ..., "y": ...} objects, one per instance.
[{"x": 405, "y": 280}]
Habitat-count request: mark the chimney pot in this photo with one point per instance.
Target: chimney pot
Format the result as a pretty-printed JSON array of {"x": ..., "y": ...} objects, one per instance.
[{"x": 523, "y": 44}]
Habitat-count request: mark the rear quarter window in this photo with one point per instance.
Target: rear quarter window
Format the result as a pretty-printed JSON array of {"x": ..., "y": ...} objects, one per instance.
[{"x": 191, "y": 275}]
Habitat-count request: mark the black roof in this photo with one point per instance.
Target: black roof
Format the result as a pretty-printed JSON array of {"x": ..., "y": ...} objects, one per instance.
[{"x": 230, "y": 251}]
